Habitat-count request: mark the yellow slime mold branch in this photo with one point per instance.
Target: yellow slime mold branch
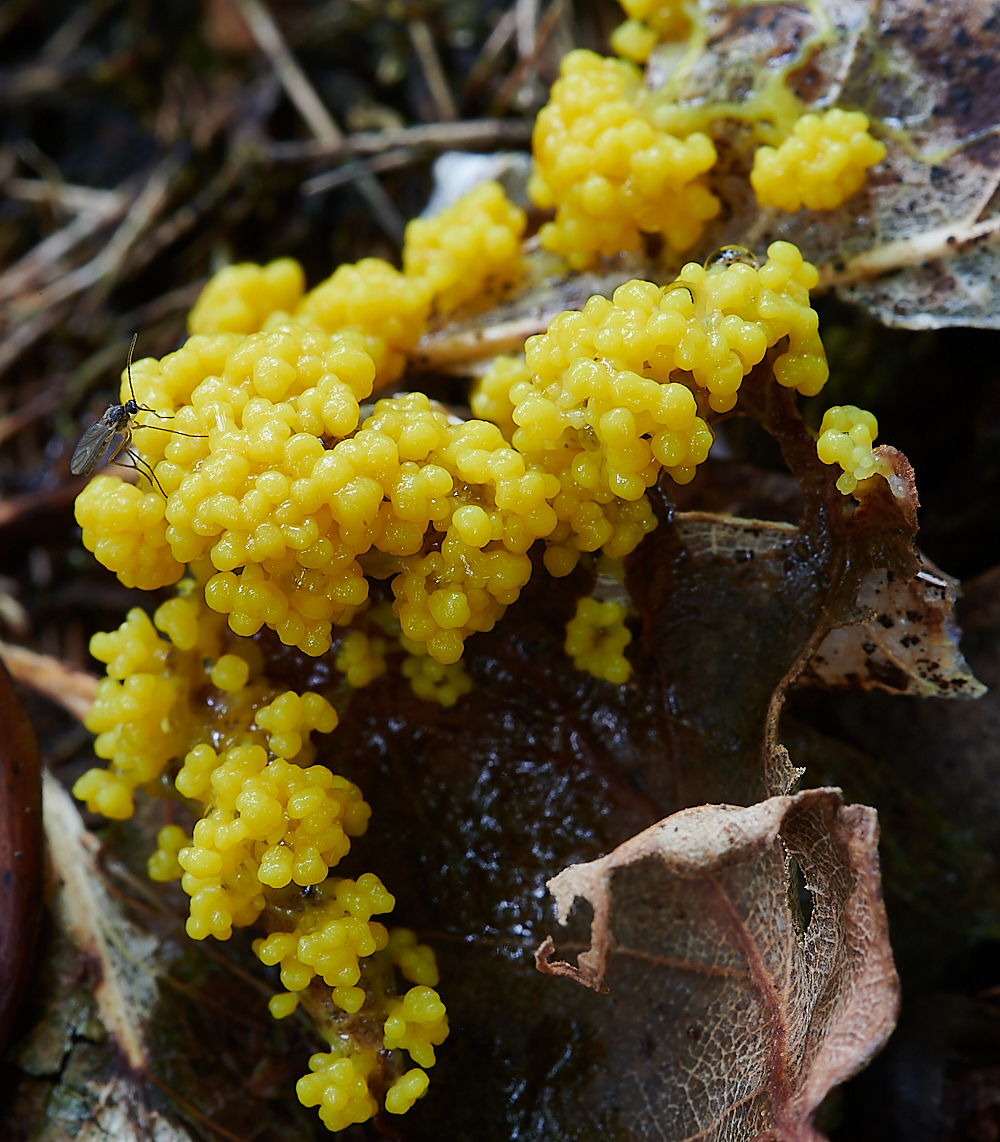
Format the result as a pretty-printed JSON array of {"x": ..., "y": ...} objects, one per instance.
[
  {"x": 294, "y": 503},
  {"x": 596, "y": 638},
  {"x": 609, "y": 171},
  {"x": 845, "y": 438},
  {"x": 820, "y": 165},
  {"x": 649, "y": 22},
  {"x": 345, "y": 1083}
]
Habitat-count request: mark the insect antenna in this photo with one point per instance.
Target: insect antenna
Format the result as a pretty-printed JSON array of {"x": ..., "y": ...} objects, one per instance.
[
  {"x": 146, "y": 408},
  {"x": 128, "y": 366}
]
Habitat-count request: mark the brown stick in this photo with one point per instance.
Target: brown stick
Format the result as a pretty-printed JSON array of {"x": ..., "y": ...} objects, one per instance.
[
  {"x": 442, "y": 136},
  {"x": 20, "y": 852},
  {"x": 442, "y": 350},
  {"x": 310, "y": 107},
  {"x": 945, "y": 242},
  {"x": 40, "y": 404},
  {"x": 430, "y": 64},
  {"x": 73, "y": 689}
]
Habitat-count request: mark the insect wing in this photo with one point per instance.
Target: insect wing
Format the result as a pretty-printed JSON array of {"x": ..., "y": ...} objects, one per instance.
[{"x": 95, "y": 443}]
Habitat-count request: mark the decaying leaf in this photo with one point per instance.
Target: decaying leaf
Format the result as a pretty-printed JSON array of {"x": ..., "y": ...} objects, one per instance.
[
  {"x": 702, "y": 912},
  {"x": 909, "y": 645},
  {"x": 127, "y": 989},
  {"x": 917, "y": 246},
  {"x": 457, "y": 344}
]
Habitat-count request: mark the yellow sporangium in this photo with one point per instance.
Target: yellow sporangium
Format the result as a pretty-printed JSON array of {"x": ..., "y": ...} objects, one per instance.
[
  {"x": 608, "y": 171},
  {"x": 360, "y": 658},
  {"x": 434, "y": 682},
  {"x": 240, "y": 298},
  {"x": 649, "y": 22},
  {"x": 329, "y": 938},
  {"x": 471, "y": 251},
  {"x": 387, "y": 308},
  {"x": 272, "y": 823},
  {"x": 142, "y": 714},
  {"x": 845, "y": 438},
  {"x": 596, "y": 638},
  {"x": 820, "y": 166}
]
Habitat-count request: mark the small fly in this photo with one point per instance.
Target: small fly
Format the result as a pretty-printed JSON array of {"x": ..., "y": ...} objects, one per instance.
[{"x": 111, "y": 435}]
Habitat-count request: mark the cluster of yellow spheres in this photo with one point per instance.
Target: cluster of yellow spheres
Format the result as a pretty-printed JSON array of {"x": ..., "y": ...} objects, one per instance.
[
  {"x": 596, "y": 637},
  {"x": 470, "y": 252},
  {"x": 820, "y": 165},
  {"x": 649, "y": 22},
  {"x": 328, "y": 940},
  {"x": 608, "y": 171},
  {"x": 295, "y": 504},
  {"x": 271, "y": 822},
  {"x": 845, "y": 438}
]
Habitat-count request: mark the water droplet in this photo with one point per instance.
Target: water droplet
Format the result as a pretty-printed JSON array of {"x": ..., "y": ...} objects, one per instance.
[{"x": 729, "y": 256}]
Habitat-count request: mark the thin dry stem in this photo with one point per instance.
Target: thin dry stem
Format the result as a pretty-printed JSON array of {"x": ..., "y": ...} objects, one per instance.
[
  {"x": 430, "y": 64},
  {"x": 944, "y": 242},
  {"x": 310, "y": 107},
  {"x": 71, "y": 688},
  {"x": 441, "y": 136}
]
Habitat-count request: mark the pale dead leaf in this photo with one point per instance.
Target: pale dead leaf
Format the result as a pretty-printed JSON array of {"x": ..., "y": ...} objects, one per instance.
[
  {"x": 918, "y": 245},
  {"x": 127, "y": 991},
  {"x": 910, "y": 644},
  {"x": 119, "y": 1114},
  {"x": 700, "y": 913}
]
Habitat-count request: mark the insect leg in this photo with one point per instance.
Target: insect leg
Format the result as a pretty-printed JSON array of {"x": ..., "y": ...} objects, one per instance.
[
  {"x": 145, "y": 469},
  {"x": 175, "y": 431}
]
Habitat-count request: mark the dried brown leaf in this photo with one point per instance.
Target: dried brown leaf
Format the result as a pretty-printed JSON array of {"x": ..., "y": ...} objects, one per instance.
[
  {"x": 20, "y": 851},
  {"x": 700, "y": 912}
]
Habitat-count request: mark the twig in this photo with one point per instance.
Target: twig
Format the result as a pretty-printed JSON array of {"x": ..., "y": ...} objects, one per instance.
[
  {"x": 140, "y": 214},
  {"x": 430, "y": 64},
  {"x": 186, "y": 217},
  {"x": 490, "y": 133},
  {"x": 435, "y": 351},
  {"x": 49, "y": 302},
  {"x": 310, "y": 107},
  {"x": 38, "y": 406},
  {"x": 195, "y": 1113},
  {"x": 293, "y": 78},
  {"x": 526, "y": 21},
  {"x": 73, "y": 689},
  {"x": 78, "y": 199},
  {"x": 26, "y": 334},
  {"x": 69, "y": 35},
  {"x": 944, "y": 242},
  {"x": 26, "y": 271},
  {"x": 389, "y": 160},
  {"x": 498, "y": 39},
  {"x": 526, "y": 63}
]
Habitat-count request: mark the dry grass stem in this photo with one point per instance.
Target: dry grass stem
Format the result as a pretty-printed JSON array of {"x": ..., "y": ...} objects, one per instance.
[
  {"x": 310, "y": 107},
  {"x": 430, "y": 64},
  {"x": 71, "y": 688},
  {"x": 458, "y": 136}
]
